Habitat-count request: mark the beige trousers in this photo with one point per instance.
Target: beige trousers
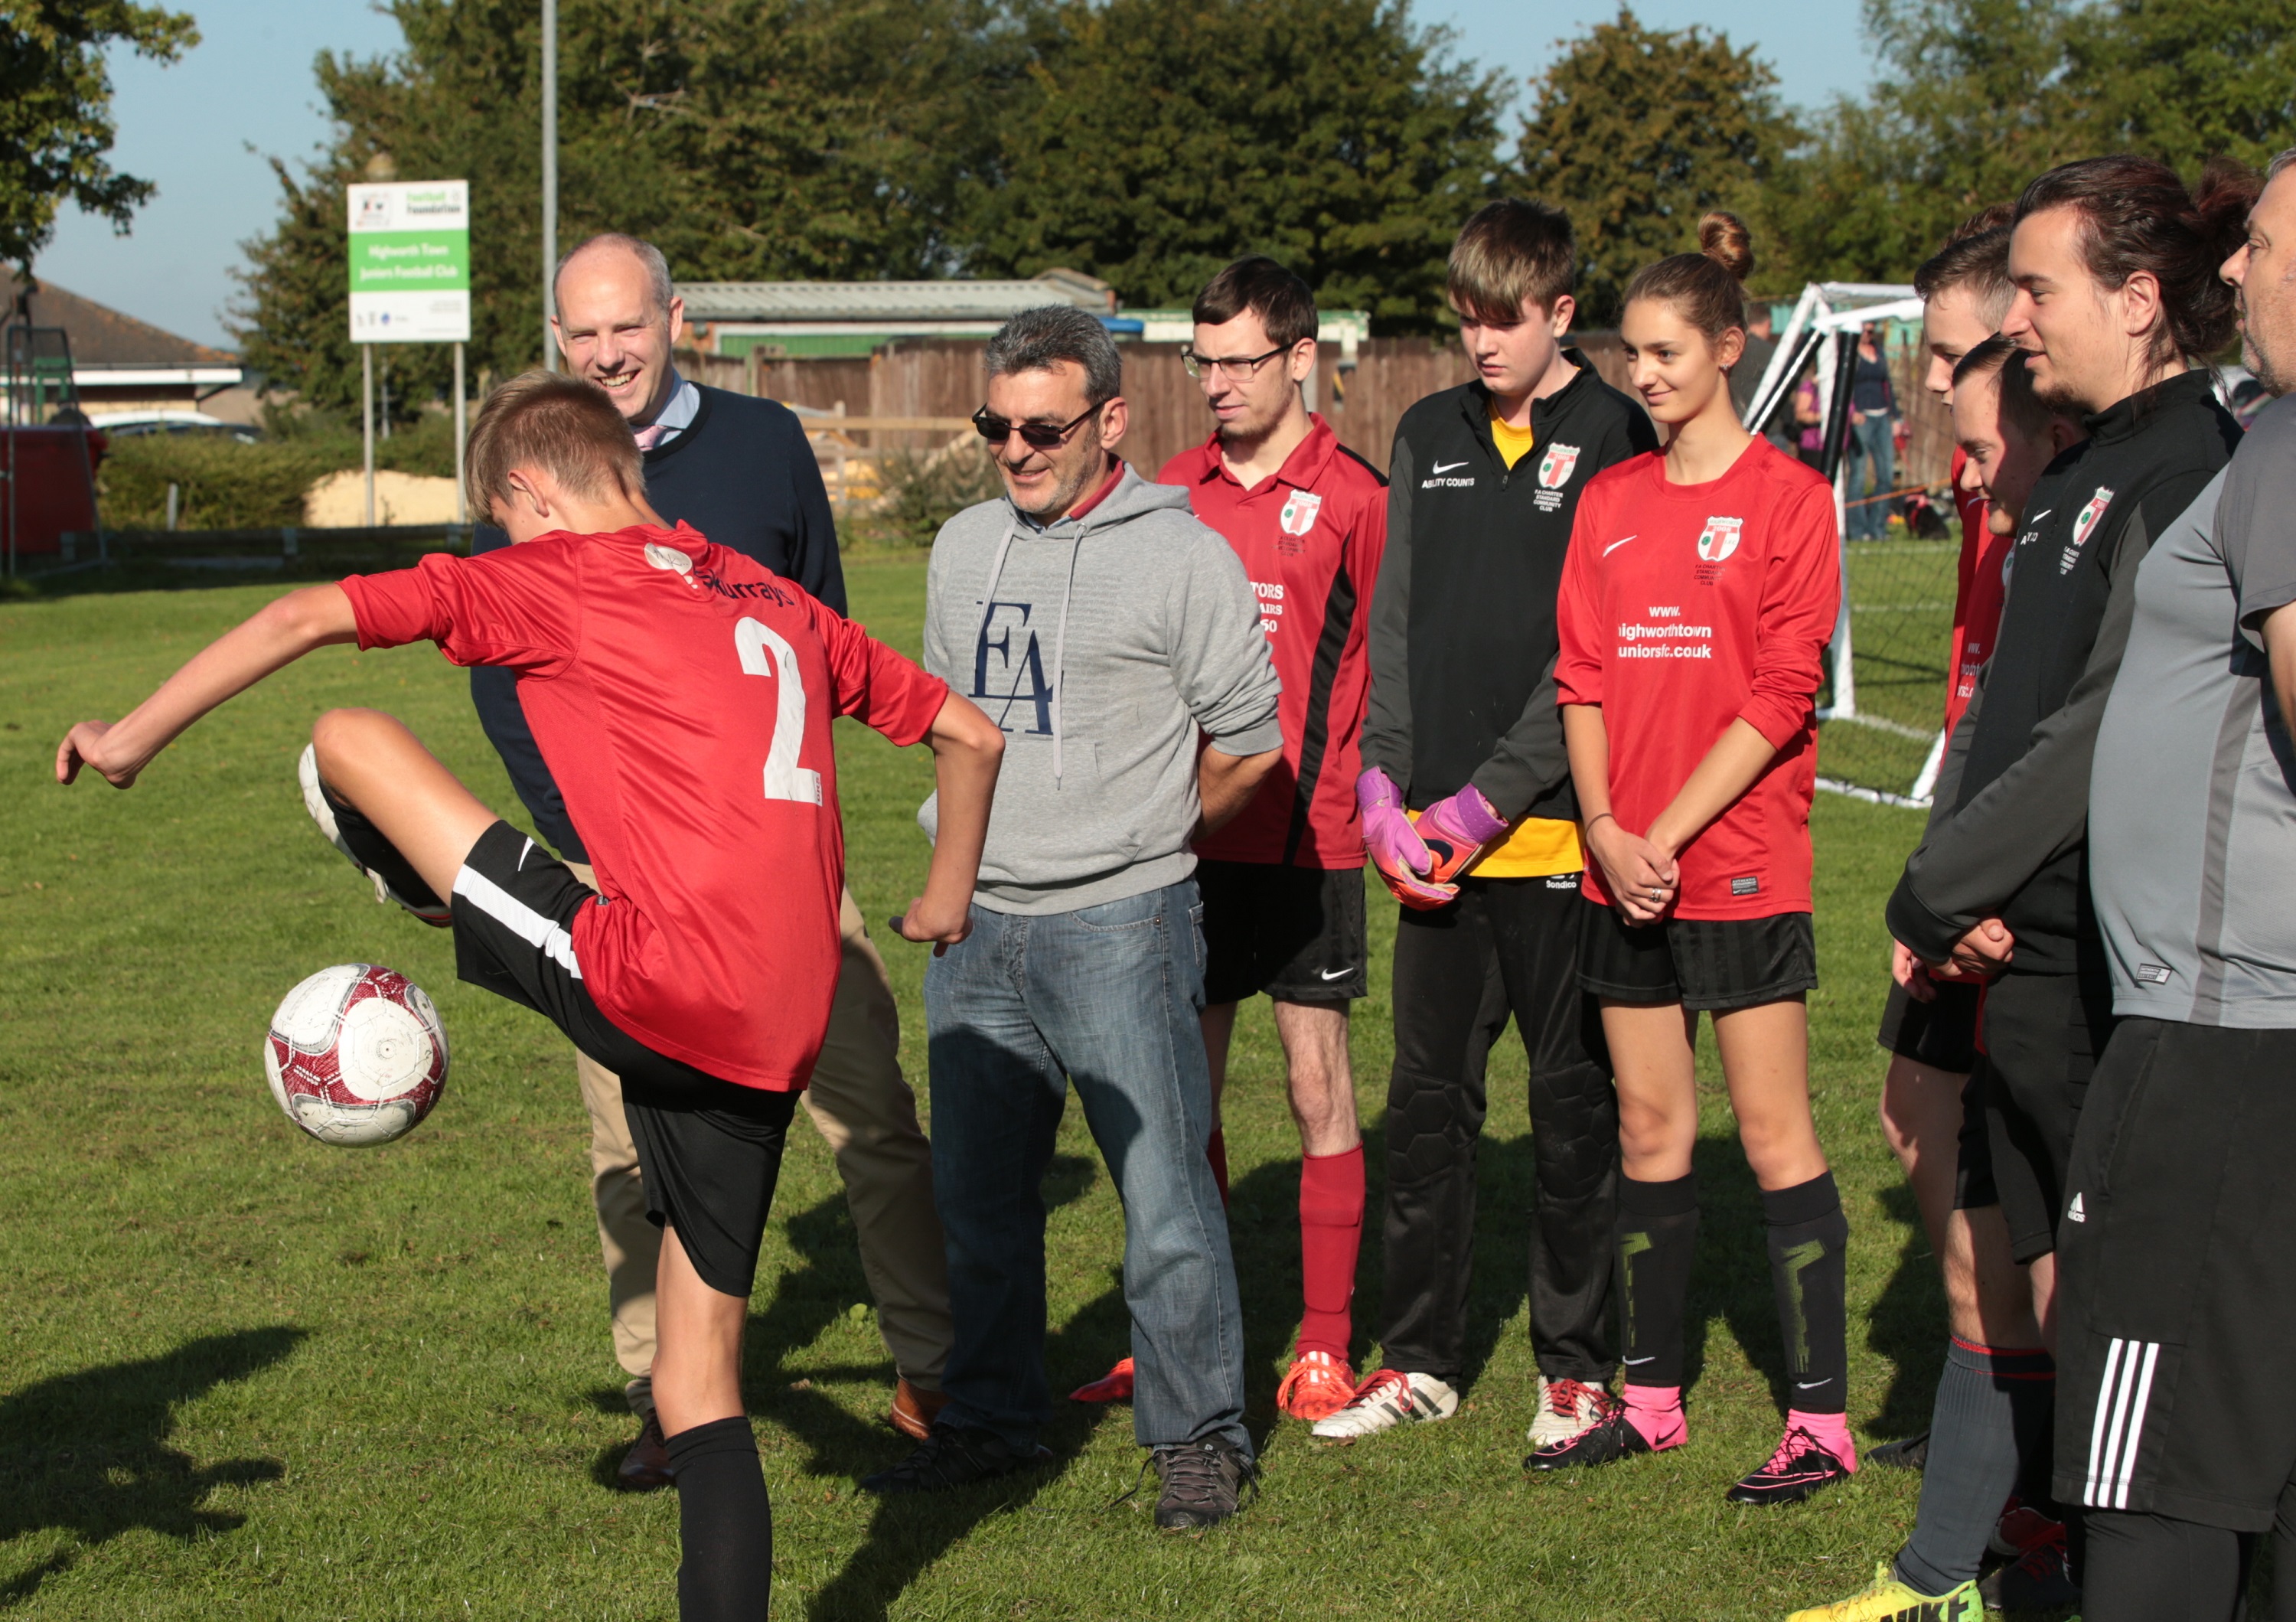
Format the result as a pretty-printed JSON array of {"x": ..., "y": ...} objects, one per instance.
[{"x": 868, "y": 1116}]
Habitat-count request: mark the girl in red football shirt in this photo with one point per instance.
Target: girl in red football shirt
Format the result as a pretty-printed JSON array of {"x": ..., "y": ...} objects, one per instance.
[{"x": 1701, "y": 584}]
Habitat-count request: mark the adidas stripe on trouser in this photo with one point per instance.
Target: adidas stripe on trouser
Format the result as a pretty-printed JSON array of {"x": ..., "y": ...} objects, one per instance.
[{"x": 2177, "y": 1279}]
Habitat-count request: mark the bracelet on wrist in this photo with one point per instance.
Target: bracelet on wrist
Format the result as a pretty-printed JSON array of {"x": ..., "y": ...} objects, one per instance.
[{"x": 1597, "y": 817}]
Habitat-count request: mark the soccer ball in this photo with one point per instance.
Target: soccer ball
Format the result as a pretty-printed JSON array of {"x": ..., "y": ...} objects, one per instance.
[{"x": 356, "y": 1055}]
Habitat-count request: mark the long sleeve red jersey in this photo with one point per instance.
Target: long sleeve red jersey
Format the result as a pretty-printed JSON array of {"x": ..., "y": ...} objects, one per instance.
[
  {"x": 1311, "y": 536},
  {"x": 1686, "y": 608},
  {"x": 681, "y": 694}
]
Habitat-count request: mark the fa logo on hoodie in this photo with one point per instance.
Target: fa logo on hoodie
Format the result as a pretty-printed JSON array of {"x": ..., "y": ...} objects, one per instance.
[{"x": 994, "y": 648}]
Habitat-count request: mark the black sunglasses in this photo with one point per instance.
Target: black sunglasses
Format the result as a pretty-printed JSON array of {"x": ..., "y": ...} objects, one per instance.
[{"x": 1036, "y": 436}]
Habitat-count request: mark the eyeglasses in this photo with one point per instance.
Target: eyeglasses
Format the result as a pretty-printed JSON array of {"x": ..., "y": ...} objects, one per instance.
[
  {"x": 1036, "y": 436},
  {"x": 1238, "y": 367}
]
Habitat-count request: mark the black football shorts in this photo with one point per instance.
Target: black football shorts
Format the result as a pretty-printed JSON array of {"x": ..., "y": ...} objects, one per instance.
[
  {"x": 1293, "y": 932},
  {"x": 1713, "y": 965},
  {"x": 710, "y": 1153}
]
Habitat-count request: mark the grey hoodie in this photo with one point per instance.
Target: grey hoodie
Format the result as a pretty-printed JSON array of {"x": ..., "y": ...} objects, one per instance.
[{"x": 1101, "y": 645}]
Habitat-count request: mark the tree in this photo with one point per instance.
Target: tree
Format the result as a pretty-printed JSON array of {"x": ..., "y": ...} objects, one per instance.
[
  {"x": 1154, "y": 141},
  {"x": 2189, "y": 81},
  {"x": 1975, "y": 98},
  {"x": 750, "y": 139},
  {"x": 55, "y": 111},
  {"x": 1638, "y": 131}
]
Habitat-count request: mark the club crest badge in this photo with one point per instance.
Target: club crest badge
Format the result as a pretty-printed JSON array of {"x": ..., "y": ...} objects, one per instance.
[
  {"x": 2085, "y": 523},
  {"x": 1555, "y": 467},
  {"x": 1299, "y": 514},
  {"x": 1719, "y": 539}
]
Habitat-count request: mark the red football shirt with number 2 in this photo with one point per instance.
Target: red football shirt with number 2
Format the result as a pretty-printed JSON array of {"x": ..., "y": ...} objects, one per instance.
[
  {"x": 682, "y": 695},
  {"x": 1686, "y": 608}
]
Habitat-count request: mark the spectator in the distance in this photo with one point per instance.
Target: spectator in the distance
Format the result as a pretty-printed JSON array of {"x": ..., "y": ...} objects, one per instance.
[
  {"x": 1872, "y": 444},
  {"x": 740, "y": 471}
]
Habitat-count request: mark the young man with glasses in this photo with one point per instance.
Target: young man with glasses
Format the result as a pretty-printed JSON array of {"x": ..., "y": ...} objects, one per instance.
[
  {"x": 1470, "y": 816},
  {"x": 1107, "y": 632},
  {"x": 1283, "y": 884}
]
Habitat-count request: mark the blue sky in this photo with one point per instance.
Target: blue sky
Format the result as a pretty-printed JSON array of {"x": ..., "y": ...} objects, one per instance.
[{"x": 203, "y": 128}]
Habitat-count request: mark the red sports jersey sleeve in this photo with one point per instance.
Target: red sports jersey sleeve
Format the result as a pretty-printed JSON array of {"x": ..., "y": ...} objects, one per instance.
[
  {"x": 682, "y": 696},
  {"x": 1686, "y": 608},
  {"x": 508, "y": 607},
  {"x": 1310, "y": 537},
  {"x": 1983, "y": 585}
]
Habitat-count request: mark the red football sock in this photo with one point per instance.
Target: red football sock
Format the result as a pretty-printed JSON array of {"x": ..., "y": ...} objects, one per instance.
[
  {"x": 1216, "y": 1151},
  {"x": 1832, "y": 1431},
  {"x": 1330, "y": 1235},
  {"x": 1656, "y": 1412}
]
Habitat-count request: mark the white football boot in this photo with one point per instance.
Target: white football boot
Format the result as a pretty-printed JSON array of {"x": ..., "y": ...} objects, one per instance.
[
  {"x": 1567, "y": 1410},
  {"x": 1386, "y": 1400},
  {"x": 314, "y": 800}
]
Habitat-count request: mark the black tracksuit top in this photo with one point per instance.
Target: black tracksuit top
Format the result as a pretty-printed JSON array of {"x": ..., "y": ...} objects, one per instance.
[
  {"x": 2009, "y": 835},
  {"x": 1463, "y": 640}
]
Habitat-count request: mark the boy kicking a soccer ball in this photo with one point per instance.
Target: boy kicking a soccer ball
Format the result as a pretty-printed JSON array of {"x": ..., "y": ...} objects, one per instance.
[{"x": 682, "y": 696}]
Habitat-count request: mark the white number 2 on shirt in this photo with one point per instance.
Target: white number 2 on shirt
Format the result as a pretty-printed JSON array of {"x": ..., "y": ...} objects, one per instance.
[{"x": 762, "y": 648}]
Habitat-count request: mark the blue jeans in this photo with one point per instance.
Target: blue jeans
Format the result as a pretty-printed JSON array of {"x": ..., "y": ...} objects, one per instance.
[
  {"x": 1106, "y": 997},
  {"x": 1872, "y": 445}
]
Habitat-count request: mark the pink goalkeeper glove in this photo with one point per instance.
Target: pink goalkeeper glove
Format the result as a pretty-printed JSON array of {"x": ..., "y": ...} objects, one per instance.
[
  {"x": 1394, "y": 844},
  {"x": 1456, "y": 831}
]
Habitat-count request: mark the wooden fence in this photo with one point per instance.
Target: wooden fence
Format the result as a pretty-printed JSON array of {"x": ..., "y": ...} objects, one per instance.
[{"x": 940, "y": 383}]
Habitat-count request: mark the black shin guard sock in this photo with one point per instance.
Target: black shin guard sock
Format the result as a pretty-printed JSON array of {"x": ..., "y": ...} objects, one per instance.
[
  {"x": 2031, "y": 1378},
  {"x": 724, "y": 1524},
  {"x": 1809, "y": 1241},
  {"x": 1657, "y": 1233},
  {"x": 1982, "y": 1428},
  {"x": 376, "y": 853}
]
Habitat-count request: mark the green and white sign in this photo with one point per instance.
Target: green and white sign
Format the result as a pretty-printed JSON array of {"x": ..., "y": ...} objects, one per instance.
[{"x": 410, "y": 254}]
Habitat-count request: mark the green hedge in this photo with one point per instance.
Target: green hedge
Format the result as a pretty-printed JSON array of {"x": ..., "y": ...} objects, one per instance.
[{"x": 226, "y": 485}]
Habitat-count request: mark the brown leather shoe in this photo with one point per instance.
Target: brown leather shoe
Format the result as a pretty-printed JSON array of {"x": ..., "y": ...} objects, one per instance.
[
  {"x": 646, "y": 1468},
  {"x": 913, "y": 1412}
]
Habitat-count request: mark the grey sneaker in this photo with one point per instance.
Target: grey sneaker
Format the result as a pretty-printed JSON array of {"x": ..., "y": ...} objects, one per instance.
[{"x": 1203, "y": 1483}]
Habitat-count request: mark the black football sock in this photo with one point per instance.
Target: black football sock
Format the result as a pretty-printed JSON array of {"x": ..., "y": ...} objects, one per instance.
[
  {"x": 1808, "y": 1273},
  {"x": 376, "y": 853},
  {"x": 724, "y": 1523},
  {"x": 1991, "y": 1408},
  {"x": 1657, "y": 1234}
]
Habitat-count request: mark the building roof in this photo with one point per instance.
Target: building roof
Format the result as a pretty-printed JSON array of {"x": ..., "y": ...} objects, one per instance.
[
  {"x": 101, "y": 336},
  {"x": 891, "y": 301}
]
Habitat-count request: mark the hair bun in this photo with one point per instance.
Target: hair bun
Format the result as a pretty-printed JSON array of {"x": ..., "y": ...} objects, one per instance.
[{"x": 1723, "y": 238}]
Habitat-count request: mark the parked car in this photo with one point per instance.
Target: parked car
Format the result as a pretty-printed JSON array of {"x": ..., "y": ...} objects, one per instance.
[{"x": 131, "y": 424}]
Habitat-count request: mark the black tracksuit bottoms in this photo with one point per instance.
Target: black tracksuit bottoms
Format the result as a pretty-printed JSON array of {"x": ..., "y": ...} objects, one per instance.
[{"x": 1506, "y": 947}]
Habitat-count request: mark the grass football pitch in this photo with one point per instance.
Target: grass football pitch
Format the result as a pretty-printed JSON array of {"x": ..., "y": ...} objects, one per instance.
[{"x": 244, "y": 1375}]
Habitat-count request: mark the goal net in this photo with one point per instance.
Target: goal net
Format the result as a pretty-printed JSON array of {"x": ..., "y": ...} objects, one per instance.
[{"x": 1887, "y": 666}]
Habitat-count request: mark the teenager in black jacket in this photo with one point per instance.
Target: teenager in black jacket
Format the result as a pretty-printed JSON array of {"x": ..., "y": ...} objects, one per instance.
[{"x": 1470, "y": 818}]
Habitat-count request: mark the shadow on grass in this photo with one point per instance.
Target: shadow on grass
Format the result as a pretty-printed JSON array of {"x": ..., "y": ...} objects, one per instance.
[
  {"x": 88, "y": 1452},
  {"x": 1907, "y": 1322},
  {"x": 906, "y": 1535}
]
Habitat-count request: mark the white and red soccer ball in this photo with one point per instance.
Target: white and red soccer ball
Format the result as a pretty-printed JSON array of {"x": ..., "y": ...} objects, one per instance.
[{"x": 356, "y": 1055}]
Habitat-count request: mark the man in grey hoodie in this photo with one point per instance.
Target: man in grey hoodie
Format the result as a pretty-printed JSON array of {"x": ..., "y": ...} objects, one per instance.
[{"x": 1105, "y": 630}]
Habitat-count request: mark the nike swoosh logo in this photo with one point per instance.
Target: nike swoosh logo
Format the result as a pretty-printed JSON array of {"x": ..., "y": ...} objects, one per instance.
[
  {"x": 1446, "y": 467},
  {"x": 2043, "y": 513},
  {"x": 1652, "y": 1358},
  {"x": 523, "y": 855},
  {"x": 1614, "y": 545},
  {"x": 1334, "y": 974},
  {"x": 1810, "y": 1385}
]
